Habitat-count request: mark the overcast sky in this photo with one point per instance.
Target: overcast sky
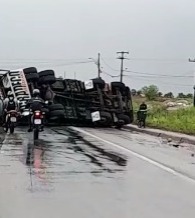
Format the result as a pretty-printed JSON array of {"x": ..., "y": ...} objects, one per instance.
[{"x": 158, "y": 34}]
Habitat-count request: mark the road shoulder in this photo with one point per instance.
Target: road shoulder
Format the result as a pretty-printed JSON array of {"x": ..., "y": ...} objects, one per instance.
[{"x": 182, "y": 138}]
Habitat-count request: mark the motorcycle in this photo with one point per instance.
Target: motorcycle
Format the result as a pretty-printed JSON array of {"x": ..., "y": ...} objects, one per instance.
[
  {"x": 37, "y": 122},
  {"x": 141, "y": 117},
  {"x": 11, "y": 121}
]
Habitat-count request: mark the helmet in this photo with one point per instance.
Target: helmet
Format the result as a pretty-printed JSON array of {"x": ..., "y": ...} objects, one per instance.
[
  {"x": 36, "y": 92},
  {"x": 9, "y": 94}
]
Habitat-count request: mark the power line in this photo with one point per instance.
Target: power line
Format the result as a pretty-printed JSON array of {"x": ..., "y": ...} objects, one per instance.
[
  {"x": 168, "y": 84},
  {"x": 113, "y": 76},
  {"x": 152, "y": 74},
  {"x": 148, "y": 80},
  {"x": 160, "y": 59},
  {"x": 56, "y": 65},
  {"x": 108, "y": 65}
]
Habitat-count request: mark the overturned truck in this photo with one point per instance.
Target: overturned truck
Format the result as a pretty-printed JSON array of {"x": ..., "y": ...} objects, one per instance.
[{"x": 71, "y": 102}]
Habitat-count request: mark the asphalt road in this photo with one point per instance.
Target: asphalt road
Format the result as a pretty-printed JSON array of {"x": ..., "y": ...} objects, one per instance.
[{"x": 95, "y": 173}]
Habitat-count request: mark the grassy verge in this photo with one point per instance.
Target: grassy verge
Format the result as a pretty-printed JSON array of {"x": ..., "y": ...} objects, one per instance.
[{"x": 181, "y": 120}]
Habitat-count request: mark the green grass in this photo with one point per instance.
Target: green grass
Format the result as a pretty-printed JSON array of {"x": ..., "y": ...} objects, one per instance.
[{"x": 181, "y": 120}]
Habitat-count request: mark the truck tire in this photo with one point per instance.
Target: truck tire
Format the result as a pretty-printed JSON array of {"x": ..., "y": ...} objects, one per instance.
[
  {"x": 106, "y": 120},
  {"x": 57, "y": 113},
  {"x": 45, "y": 110},
  {"x": 58, "y": 85},
  {"x": 47, "y": 80},
  {"x": 118, "y": 85},
  {"x": 30, "y": 70},
  {"x": 127, "y": 92},
  {"x": 32, "y": 77},
  {"x": 55, "y": 107},
  {"x": 100, "y": 82},
  {"x": 46, "y": 73},
  {"x": 125, "y": 118}
]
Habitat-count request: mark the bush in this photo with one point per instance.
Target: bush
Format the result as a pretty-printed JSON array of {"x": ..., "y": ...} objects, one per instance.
[
  {"x": 182, "y": 120},
  {"x": 151, "y": 92}
]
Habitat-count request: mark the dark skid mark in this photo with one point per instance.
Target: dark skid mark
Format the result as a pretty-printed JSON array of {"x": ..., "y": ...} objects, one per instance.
[
  {"x": 92, "y": 158},
  {"x": 111, "y": 156}
]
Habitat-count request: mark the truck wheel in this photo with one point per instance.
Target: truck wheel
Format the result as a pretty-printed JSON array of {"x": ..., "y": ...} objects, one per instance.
[
  {"x": 100, "y": 82},
  {"x": 32, "y": 77},
  {"x": 106, "y": 119},
  {"x": 57, "y": 113},
  {"x": 55, "y": 107},
  {"x": 46, "y": 73},
  {"x": 118, "y": 85},
  {"x": 29, "y": 70},
  {"x": 47, "y": 80},
  {"x": 124, "y": 118}
]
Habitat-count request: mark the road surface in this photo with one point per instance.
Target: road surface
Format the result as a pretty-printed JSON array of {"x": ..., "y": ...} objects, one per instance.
[{"x": 95, "y": 173}]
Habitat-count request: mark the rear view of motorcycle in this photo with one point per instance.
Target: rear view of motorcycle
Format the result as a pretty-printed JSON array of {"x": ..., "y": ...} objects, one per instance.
[
  {"x": 37, "y": 121},
  {"x": 11, "y": 121}
]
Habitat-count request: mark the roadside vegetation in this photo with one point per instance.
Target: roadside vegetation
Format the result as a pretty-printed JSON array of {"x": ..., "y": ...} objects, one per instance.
[{"x": 166, "y": 111}]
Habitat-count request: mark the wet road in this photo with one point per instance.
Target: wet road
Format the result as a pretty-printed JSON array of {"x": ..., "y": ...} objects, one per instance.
[{"x": 99, "y": 173}]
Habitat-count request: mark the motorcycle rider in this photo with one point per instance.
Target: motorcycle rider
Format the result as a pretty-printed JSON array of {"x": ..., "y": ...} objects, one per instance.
[
  {"x": 35, "y": 103},
  {"x": 9, "y": 104},
  {"x": 143, "y": 106}
]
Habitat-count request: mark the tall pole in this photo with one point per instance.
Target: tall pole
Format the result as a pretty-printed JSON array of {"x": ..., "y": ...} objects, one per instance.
[
  {"x": 190, "y": 60},
  {"x": 98, "y": 64},
  {"x": 122, "y": 63}
]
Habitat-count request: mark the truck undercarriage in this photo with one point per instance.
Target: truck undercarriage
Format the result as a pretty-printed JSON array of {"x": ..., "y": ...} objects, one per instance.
[{"x": 71, "y": 102}]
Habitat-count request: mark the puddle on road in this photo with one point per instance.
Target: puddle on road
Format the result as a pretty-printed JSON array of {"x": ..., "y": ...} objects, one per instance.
[{"x": 56, "y": 158}]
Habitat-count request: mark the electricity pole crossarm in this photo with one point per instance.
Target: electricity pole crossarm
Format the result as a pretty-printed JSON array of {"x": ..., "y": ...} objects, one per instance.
[{"x": 122, "y": 63}]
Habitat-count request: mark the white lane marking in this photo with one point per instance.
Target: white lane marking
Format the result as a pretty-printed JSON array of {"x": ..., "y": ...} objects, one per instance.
[{"x": 155, "y": 163}]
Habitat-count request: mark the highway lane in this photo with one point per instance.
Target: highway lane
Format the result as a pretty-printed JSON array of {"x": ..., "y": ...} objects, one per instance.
[{"x": 69, "y": 173}]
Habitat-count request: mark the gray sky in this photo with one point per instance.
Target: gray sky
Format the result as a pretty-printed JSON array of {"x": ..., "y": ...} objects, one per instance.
[{"x": 159, "y": 34}]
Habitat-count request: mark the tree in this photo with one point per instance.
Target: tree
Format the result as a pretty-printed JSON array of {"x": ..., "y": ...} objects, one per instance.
[
  {"x": 160, "y": 94},
  {"x": 189, "y": 95},
  {"x": 151, "y": 92},
  {"x": 181, "y": 95},
  {"x": 169, "y": 95}
]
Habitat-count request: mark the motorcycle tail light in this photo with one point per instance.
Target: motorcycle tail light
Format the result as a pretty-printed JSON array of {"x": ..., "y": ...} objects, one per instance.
[{"x": 37, "y": 115}]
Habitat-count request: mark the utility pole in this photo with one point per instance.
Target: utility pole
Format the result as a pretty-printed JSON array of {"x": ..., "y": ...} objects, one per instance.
[
  {"x": 98, "y": 65},
  {"x": 190, "y": 60},
  {"x": 97, "y": 62},
  {"x": 122, "y": 62}
]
